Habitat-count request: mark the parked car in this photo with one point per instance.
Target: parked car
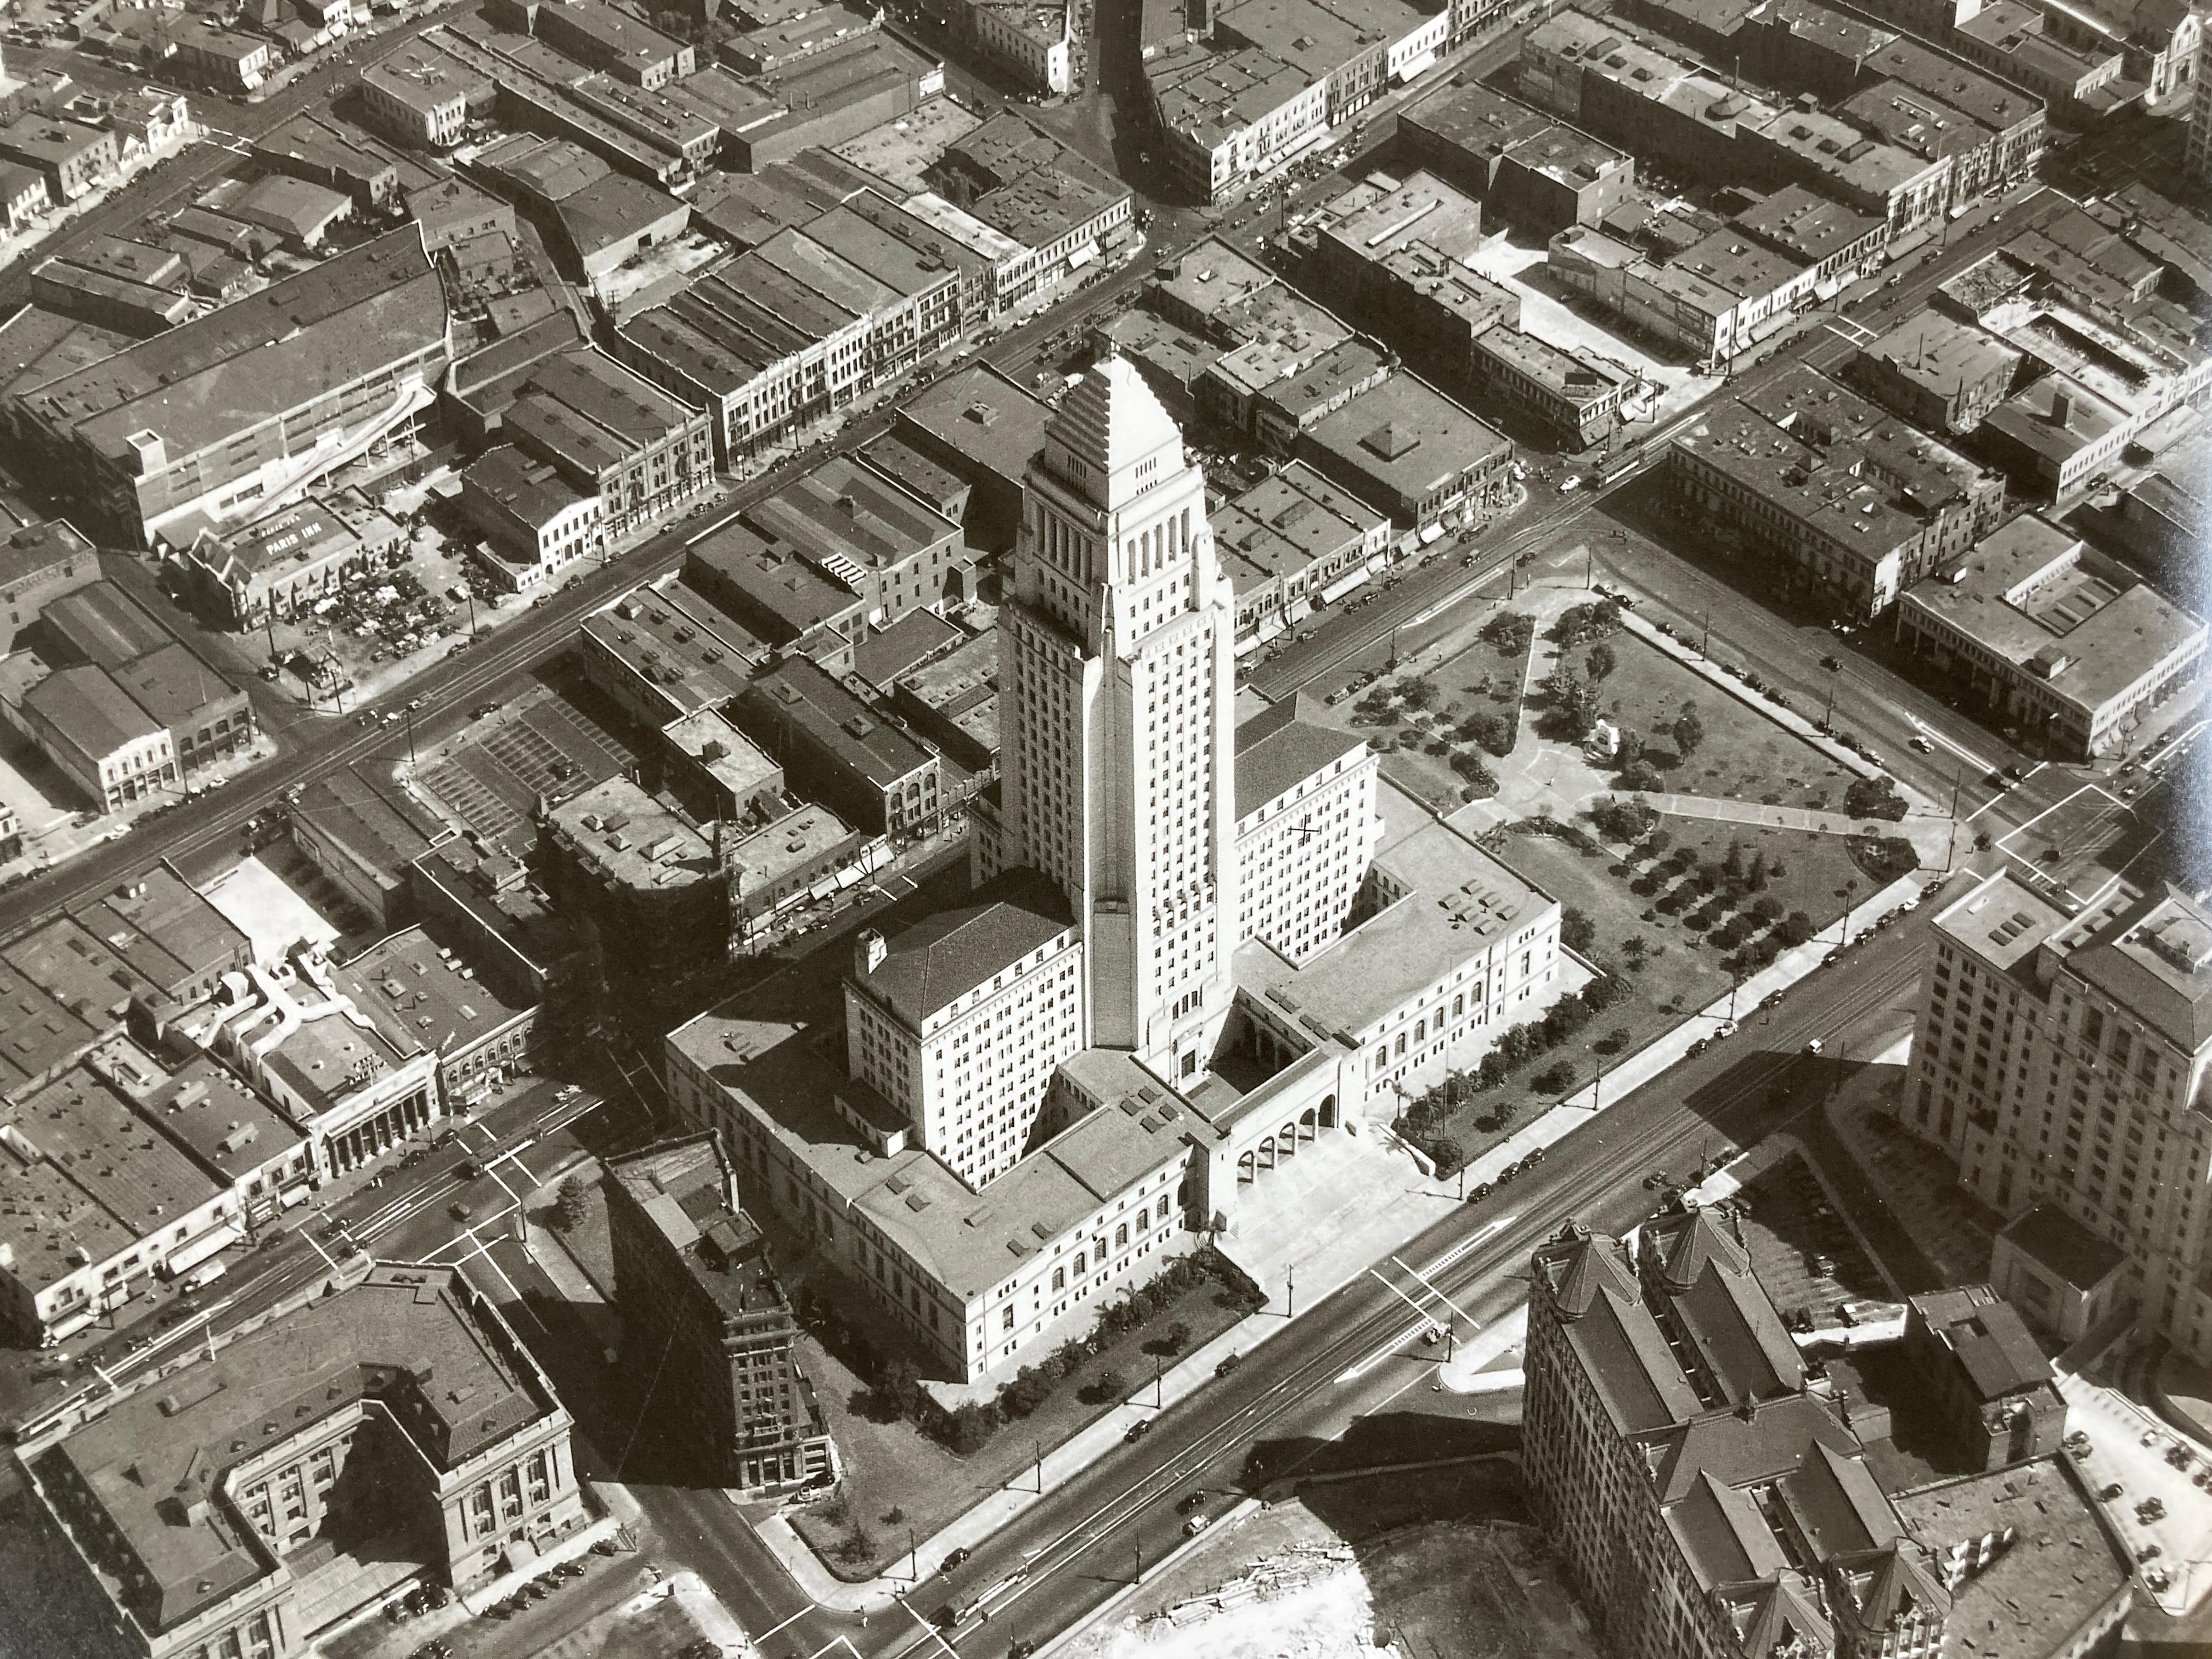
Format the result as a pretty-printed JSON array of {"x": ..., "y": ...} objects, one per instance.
[
  {"x": 955, "y": 1558},
  {"x": 1196, "y": 1525},
  {"x": 1137, "y": 1431}
]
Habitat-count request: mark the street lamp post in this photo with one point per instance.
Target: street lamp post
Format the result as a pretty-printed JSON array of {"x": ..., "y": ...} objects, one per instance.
[{"x": 1291, "y": 1294}]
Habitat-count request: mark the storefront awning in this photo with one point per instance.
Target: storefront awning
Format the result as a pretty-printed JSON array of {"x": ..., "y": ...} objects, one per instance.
[
  {"x": 207, "y": 1244},
  {"x": 1344, "y": 584}
]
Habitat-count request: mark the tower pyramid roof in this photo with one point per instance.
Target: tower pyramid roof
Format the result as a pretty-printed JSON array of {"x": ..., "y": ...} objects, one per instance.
[{"x": 1110, "y": 420}]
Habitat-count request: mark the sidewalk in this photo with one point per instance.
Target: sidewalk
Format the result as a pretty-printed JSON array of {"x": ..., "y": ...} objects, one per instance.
[{"x": 1931, "y": 837}]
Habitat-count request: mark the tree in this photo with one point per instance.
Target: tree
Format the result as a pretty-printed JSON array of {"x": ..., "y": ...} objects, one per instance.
[
  {"x": 1576, "y": 931},
  {"x": 899, "y": 1386},
  {"x": 1642, "y": 777},
  {"x": 1767, "y": 907},
  {"x": 1796, "y": 928},
  {"x": 1446, "y": 1154},
  {"x": 1554, "y": 1080},
  {"x": 1755, "y": 877},
  {"x": 971, "y": 1427},
  {"x": 1417, "y": 691},
  {"x": 1634, "y": 945},
  {"x": 1615, "y": 1040},
  {"x": 1487, "y": 728},
  {"x": 1509, "y": 632},
  {"x": 1573, "y": 699},
  {"x": 572, "y": 1204},
  {"x": 1688, "y": 731},
  {"x": 1732, "y": 866},
  {"x": 1600, "y": 661},
  {"x": 1874, "y": 797}
]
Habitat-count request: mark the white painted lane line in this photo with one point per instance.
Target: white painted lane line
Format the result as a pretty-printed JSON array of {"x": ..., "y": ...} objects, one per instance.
[{"x": 1982, "y": 766}]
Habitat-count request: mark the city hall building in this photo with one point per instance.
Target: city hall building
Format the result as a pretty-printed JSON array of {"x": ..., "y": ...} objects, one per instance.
[{"x": 1192, "y": 948}]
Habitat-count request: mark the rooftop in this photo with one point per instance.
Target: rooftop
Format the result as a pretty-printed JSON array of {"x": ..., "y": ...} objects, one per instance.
[
  {"x": 87, "y": 707},
  {"x": 419, "y": 1338},
  {"x": 1942, "y": 353},
  {"x": 533, "y": 490},
  {"x": 912, "y": 639},
  {"x": 707, "y": 736},
  {"x": 1987, "y": 1338},
  {"x": 409, "y": 984},
  {"x": 2001, "y": 922},
  {"x": 979, "y": 414},
  {"x": 2154, "y": 958},
  {"x": 685, "y": 1190},
  {"x": 762, "y": 1048},
  {"x": 2047, "y": 1235},
  {"x": 800, "y": 695},
  {"x": 1807, "y": 225},
  {"x": 1408, "y": 436},
  {"x": 2037, "y": 596},
  {"x": 938, "y": 961},
  {"x": 633, "y": 836},
  {"x": 2056, "y": 1564},
  {"x": 1458, "y": 902},
  {"x": 797, "y": 840},
  {"x": 201, "y": 1103},
  {"x": 673, "y": 636},
  {"x": 1279, "y": 749},
  {"x": 239, "y": 366}
]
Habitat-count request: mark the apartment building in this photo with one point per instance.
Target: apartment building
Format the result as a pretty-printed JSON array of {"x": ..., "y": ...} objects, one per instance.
[
  {"x": 2058, "y": 1058},
  {"x": 704, "y": 1314}
]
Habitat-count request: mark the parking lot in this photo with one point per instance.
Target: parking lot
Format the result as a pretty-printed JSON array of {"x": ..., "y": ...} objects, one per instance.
[
  {"x": 490, "y": 775},
  {"x": 1805, "y": 1252}
]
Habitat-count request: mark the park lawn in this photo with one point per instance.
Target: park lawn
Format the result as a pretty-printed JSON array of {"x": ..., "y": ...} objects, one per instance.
[
  {"x": 1676, "y": 976},
  {"x": 1479, "y": 677},
  {"x": 1744, "y": 756},
  {"x": 892, "y": 1467},
  {"x": 1818, "y": 873}
]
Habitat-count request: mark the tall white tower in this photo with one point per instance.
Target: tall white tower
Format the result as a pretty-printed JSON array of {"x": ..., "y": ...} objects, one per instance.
[{"x": 1119, "y": 741}]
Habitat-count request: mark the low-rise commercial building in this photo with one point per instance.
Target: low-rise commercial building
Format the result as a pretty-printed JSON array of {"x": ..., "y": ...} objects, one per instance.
[
  {"x": 1028, "y": 36},
  {"x": 1558, "y": 177},
  {"x": 1991, "y": 1386},
  {"x": 652, "y": 898},
  {"x": 222, "y": 59},
  {"x": 612, "y": 434},
  {"x": 1609, "y": 84},
  {"x": 481, "y": 1042},
  {"x": 210, "y": 1523},
  {"x": 1907, "y": 191},
  {"x": 39, "y": 563},
  {"x": 1941, "y": 373},
  {"x": 838, "y": 749},
  {"x": 704, "y": 1313},
  {"x": 73, "y": 158},
  {"x": 419, "y": 93},
  {"x": 252, "y": 400},
  {"x": 537, "y": 521},
  {"x": 2053, "y": 638},
  {"x": 103, "y": 742},
  {"x": 1830, "y": 492},
  {"x": 1229, "y": 119},
  {"x": 777, "y": 593},
  {"x": 895, "y": 553},
  {"x": 1293, "y": 542},
  {"x": 1838, "y": 243},
  {"x": 953, "y": 701},
  {"x": 1406, "y": 448},
  {"x": 288, "y": 563},
  {"x": 667, "y": 650}
]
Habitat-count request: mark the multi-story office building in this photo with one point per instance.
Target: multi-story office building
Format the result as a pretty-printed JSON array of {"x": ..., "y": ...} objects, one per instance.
[
  {"x": 841, "y": 750},
  {"x": 255, "y": 398},
  {"x": 421, "y": 94},
  {"x": 2060, "y": 1060},
  {"x": 706, "y": 1319},
  {"x": 1305, "y": 811},
  {"x": 1712, "y": 1496},
  {"x": 219, "y": 1521}
]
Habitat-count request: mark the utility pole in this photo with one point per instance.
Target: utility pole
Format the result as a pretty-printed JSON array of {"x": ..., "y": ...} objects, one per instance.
[
  {"x": 1706, "y": 641},
  {"x": 1590, "y": 555},
  {"x": 1951, "y": 847},
  {"x": 1137, "y": 1544},
  {"x": 1291, "y": 1294},
  {"x": 1158, "y": 1396},
  {"x": 1039, "y": 1446},
  {"x": 410, "y": 736},
  {"x": 914, "y": 1553}
]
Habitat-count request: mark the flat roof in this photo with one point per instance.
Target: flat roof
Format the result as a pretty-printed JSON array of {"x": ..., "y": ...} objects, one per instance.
[
  {"x": 410, "y": 983},
  {"x": 969, "y": 1242},
  {"x": 592, "y": 412},
  {"x": 2001, "y": 922},
  {"x": 841, "y": 510},
  {"x": 77, "y": 970},
  {"x": 771, "y": 574},
  {"x": 614, "y": 208},
  {"x": 1742, "y": 267},
  {"x": 2057, "y": 1568},
  {"x": 979, "y": 414},
  {"x": 246, "y": 362},
  {"x": 201, "y": 1103},
  {"x": 1212, "y": 275},
  {"x": 417, "y": 74},
  {"x": 798, "y": 693},
  {"x": 1476, "y": 118},
  {"x": 1408, "y": 436},
  {"x": 713, "y": 741},
  {"x": 799, "y": 840},
  {"x": 954, "y": 678},
  {"x": 1283, "y": 524},
  {"x": 914, "y": 638},
  {"x": 2153, "y": 955},
  {"x": 418, "y": 1338},
  {"x": 635, "y": 836},
  {"x": 533, "y": 490},
  {"x": 694, "y": 651},
  {"x": 1461, "y": 902},
  {"x": 1801, "y": 222},
  {"x": 104, "y": 624}
]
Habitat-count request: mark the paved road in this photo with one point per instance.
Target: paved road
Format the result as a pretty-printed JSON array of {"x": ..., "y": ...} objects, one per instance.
[{"x": 1358, "y": 1353}]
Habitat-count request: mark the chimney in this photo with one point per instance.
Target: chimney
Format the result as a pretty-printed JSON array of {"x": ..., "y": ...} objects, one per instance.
[
  {"x": 868, "y": 953},
  {"x": 2061, "y": 407}
]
